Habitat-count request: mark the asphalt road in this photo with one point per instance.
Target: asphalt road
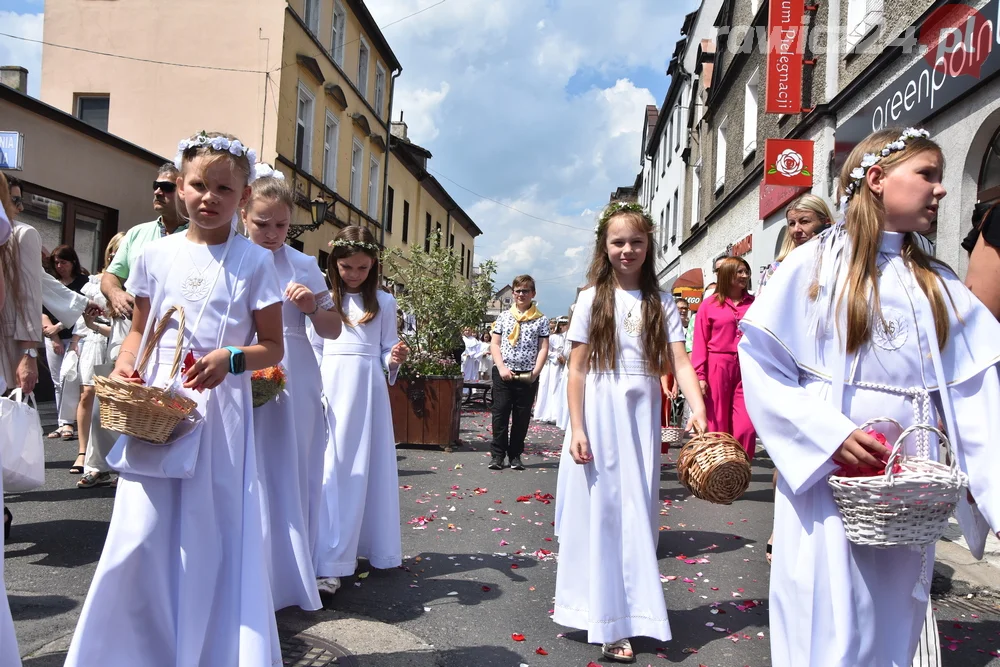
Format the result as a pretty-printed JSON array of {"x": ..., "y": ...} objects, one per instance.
[{"x": 476, "y": 571}]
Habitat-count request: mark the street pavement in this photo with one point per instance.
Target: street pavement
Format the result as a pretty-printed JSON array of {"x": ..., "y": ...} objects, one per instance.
[{"x": 478, "y": 577}]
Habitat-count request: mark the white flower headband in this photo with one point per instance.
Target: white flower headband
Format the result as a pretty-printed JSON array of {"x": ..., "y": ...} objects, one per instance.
[
  {"x": 347, "y": 243},
  {"x": 221, "y": 144},
  {"x": 868, "y": 160},
  {"x": 264, "y": 170}
]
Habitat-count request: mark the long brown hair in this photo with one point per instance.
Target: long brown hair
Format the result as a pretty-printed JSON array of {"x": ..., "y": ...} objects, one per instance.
[
  {"x": 350, "y": 241},
  {"x": 603, "y": 330},
  {"x": 726, "y": 276},
  {"x": 865, "y": 218}
]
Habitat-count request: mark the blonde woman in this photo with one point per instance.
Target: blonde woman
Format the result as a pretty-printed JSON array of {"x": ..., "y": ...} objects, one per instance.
[{"x": 806, "y": 217}]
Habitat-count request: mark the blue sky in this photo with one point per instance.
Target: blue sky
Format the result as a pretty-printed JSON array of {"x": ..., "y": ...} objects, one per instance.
[{"x": 538, "y": 105}]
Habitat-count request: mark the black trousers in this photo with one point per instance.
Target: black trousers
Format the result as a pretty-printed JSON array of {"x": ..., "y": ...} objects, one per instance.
[{"x": 510, "y": 397}]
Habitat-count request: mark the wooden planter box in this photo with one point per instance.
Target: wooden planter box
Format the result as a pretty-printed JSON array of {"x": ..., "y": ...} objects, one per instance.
[{"x": 427, "y": 411}]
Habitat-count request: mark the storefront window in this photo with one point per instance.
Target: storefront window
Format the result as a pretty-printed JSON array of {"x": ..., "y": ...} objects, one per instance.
[
  {"x": 88, "y": 242},
  {"x": 46, "y": 215},
  {"x": 989, "y": 176}
]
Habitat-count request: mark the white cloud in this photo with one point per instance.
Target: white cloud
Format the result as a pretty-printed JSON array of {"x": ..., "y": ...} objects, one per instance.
[
  {"x": 17, "y": 52},
  {"x": 540, "y": 111}
]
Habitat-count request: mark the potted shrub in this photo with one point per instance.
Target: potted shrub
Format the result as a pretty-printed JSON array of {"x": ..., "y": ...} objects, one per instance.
[{"x": 426, "y": 399}]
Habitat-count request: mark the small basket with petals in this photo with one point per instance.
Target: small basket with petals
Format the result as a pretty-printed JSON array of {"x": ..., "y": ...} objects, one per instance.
[
  {"x": 906, "y": 505},
  {"x": 714, "y": 467},
  {"x": 266, "y": 384},
  {"x": 147, "y": 413}
]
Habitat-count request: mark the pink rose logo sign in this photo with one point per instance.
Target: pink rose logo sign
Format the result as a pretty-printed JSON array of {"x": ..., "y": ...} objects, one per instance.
[{"x": 788, "y": 162}]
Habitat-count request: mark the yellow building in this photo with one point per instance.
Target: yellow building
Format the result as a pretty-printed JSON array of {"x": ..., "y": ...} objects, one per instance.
[
  {"x": 308, "y": 83},
  {"x": 418, "y": 207}
]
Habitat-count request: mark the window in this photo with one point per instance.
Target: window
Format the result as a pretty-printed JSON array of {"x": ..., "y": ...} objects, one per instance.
[
  {"x": 437, "y": 233},
  {"x": 666, "y": 143},
  {"x": 304, "y": 129},
  {"x": 373, "y": 188},
  {"x": 406, "y": 220},
  {"x": 461, "y": 265},
  {"x": 94, "y": 110},
  {"x": 451, "y": 240},
  {"x": 357, "y": 155},
  {"x": 673, "y": 224},
  {"x": 663, "y": 229},
  {"x": 427, "y": 234},
  {"x": 679, "y": 126},
  {"x": 389, "y": 196},
  {"x": 363, "y": 68},
  {"x": 656, "y": 173},
  {"x": 339, "y": 33},
  {"x": 330, "y": 142},
  {"x": 863, "y": 16},
  {"x": 695, "y": 196},
  {"x": 380, "y": 90},
  {"x": 468, "y": 263},
  {"x": 312, "y": 15},
  {"x": 323, "y": 259},
  {"x": 720, "y": 154},
  {"x": 750, "y": 114}
]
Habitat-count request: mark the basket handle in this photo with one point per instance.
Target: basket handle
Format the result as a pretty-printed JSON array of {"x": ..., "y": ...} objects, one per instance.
[
  {"x": 897, "y": 449},
  {"x": 881, "y": 420},
  {"x": 154, "y": 340}
]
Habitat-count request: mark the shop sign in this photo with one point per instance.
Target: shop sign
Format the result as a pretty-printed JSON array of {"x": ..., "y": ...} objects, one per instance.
[
  {"x": 961, "y": 53},
  {"x": 11, "y": 150},
  {"x": 773, "y": 197},
  {"x": 788, "y": 162},
  {"x": 742, "y": 247},
  {"x": 785, "y": 43}
]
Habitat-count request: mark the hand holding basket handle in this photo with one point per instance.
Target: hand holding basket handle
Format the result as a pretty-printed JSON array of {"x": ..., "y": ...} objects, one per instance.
[{"x": 860, "y": 449}]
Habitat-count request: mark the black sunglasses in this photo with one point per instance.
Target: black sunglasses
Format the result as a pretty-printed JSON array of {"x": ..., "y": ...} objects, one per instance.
[
  {"x": 17, "y": 201},
  {"x": 166, "y": 186}
]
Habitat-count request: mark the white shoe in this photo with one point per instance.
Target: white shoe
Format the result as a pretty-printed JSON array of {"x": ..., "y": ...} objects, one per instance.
[{"x": 330, "y": 585}]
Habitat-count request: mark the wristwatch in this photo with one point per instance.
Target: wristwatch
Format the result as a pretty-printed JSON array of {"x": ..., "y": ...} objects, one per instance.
[
  {"x": 237, "y": 360},
  {"x": 31, "y": 352}
]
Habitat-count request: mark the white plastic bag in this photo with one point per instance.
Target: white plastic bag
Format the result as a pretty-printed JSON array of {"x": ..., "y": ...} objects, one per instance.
[
  {"x": 22, "y": 452},
  {"x": 70, "y": 370}
]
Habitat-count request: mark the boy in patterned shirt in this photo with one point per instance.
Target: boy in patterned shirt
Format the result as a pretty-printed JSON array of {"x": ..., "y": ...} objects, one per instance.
[{"x": 519, "y": 346}]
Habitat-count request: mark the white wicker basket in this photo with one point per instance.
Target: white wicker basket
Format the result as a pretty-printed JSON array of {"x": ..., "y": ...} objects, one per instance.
[
  {"x": 671, "y": 434},
  {"x": 908, "y": 508}
]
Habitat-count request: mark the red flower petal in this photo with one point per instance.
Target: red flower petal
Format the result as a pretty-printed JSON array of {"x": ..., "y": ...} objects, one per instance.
[
  {"x": 517, "y": 636},
  {"x": 541, "y": 651},
  {"x": 486, "y": 589}
]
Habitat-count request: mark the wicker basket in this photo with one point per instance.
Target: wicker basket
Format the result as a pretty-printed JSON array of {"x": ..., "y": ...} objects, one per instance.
[
  {"x": 714, "y": 467},
  {"x": 147, "y": 413},
  {"x": 671, "y": 434},
  {"x": 906, "y": 508}
]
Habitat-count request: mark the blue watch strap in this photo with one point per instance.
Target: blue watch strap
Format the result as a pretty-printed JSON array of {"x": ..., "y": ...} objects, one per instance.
[{"x": 233, "y": 351}]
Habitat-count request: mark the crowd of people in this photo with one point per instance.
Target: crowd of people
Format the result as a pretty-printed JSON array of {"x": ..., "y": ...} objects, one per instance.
[{"x": 857, "y": 321}]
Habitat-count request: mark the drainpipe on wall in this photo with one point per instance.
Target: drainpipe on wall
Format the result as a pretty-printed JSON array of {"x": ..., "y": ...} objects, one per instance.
[
  {"x": 832, "y": 80},
  {"x": 388, "y": 152}
]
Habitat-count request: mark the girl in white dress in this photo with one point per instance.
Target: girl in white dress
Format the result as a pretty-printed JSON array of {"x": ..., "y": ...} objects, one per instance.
[
  {"x": 470, "y": 355},
  {"x": 359, "y": 512},
  {"x": 548, "y": 383},
  {"x": 626, "y": 333},
  {"x": 485, "y": 358},
  {"x": 182, "y": 578},
  {"x": 856, "y": 325},
  {"x": 560, "y": 407},
  {"x": 290, "y": 431}
]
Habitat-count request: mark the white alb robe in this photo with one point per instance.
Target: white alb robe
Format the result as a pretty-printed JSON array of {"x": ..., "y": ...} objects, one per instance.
[
  {"x": 548, "y": 383},
  {"x": 290, "y": 437},
  {"x": 182, "y": 578},
  {"x": 470, "y": 358},
  {"x": 359, "y": 512},
  {"x": 834, "y": 603},
  {"x": 607, "y": 511}
]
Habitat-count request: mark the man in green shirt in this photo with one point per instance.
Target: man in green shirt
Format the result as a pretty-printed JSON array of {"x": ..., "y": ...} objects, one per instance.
[{"x": 112, "y": 282}]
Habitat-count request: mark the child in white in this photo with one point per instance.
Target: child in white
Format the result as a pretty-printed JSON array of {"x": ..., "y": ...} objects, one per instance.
[
  {"x": 625, "y": 334},
  {"x": 359, "y": 513},
  {"x": 546, "y": 405},
  {"x": 290, "y": 430},
  {"x": 858, "y": 325},
  {"x": 182, "y": 578}
]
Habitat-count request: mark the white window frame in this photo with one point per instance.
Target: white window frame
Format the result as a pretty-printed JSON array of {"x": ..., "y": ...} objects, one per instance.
[
  {"x": 305, "y": 97},
  {"x": 330, "y": 147},
  {"x": 357, "y": 163},
  {"x": 310, "y": 15},
  {"x": 695, "y": 195},
  {"x": 679, "y": 125},
  {"x": 673, "y": 224},
  {"x": 373, "y": 178},
  {"x": 364, "y": 67},
  {"x": 379, "y": 89},
  {"x": 665, "y": 233},
  {"x": 665, "y": 140},
  {"x": 863, "y": 16},
  {"x": 721, "y": 145},
  {"x": 338, "y": 36},
  {"x": 750, "y": 113}
]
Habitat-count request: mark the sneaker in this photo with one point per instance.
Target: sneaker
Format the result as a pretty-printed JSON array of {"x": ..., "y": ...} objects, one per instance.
[
  {"x": 515, "y": 463},
  {"x": 94, "y": 478},
  {"x": 496, "y": 463},
  {"x": 329, "y": 586}
]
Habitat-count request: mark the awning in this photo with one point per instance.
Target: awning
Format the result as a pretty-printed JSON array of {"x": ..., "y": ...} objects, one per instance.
[{"x": 692, "y": 278}]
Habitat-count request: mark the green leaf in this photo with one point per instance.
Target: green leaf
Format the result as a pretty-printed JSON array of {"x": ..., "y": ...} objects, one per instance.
[
  {"x": 772, "y": 170},
  {"x": 805, "y": 172}
]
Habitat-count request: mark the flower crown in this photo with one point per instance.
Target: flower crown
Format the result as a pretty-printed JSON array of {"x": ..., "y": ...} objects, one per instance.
[
  {"x": 618, "y": 207},
  {"x": 264, "y": 170},
  {"x": 868, "y": 160},
  {"x": 347, "y": 243},
  {"x": 222, "y": 144}
]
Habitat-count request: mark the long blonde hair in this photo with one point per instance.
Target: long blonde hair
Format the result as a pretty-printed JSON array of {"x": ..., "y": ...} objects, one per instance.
[
  {"x": 805, "y": 202},
  {"x": 603, "y": 330},
  {"x": 10, "y": 264},
  {"x": 864, "y": 221}
]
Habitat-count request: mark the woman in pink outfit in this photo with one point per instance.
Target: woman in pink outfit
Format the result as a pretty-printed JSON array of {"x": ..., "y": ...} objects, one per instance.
[{"x": 714, "y": 357}]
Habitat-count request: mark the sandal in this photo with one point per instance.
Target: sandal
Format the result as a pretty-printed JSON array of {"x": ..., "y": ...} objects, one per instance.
[
  {"x": 56, "y": 434},
  {"x": 94, "y": 478},
  {"x": 77, "y": 468},
  {"x": 68, "y": 433},
  {"x": 622, "y": 645}
]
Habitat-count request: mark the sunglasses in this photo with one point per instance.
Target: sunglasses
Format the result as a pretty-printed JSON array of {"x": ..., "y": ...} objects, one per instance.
[
  {"x": 166, "y": 186},
  {"x": 17, "y": 201},
  {"x": 522, "y": 291}
]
